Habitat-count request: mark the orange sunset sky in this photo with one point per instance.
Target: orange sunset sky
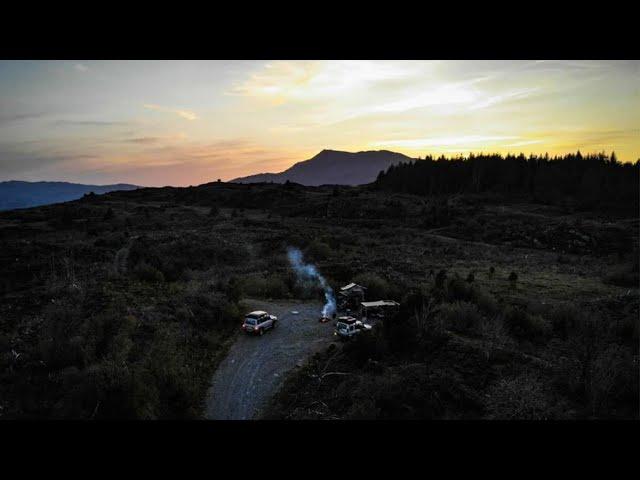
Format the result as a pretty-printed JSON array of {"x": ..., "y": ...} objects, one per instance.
[{"x": 180, "y": 123}]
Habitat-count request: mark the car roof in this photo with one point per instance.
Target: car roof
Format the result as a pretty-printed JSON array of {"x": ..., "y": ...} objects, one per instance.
[{"x": 346, "y": 319}]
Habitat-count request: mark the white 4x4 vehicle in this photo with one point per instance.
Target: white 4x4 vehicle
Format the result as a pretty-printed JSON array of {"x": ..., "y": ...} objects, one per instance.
[
  {"x": 257, "y": 322},
  {"x": 348, "y": 327}
]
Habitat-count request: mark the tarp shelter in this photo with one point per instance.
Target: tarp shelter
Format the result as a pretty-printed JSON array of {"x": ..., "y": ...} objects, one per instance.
[
  {"x": 380, "y": 303},
  {"x": 352, "y": 287},
  {"x": 350, "y": 296},
  {"x": 379, "y": 308}
]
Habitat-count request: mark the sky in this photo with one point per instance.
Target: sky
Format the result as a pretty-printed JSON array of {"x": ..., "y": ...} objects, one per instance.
[{"x": 157, "y": 123}]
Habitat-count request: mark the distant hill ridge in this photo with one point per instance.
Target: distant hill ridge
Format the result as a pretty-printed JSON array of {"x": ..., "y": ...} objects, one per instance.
[
  {"x": 333, "y": 167},
  {"x": 20, "y": 194}
]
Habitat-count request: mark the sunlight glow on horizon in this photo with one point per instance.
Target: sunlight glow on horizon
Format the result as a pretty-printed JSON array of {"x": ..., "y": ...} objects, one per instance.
[{"x": 179, "y": 123}]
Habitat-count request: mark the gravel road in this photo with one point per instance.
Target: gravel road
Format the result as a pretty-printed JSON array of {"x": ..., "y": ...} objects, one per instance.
[{"x": 255, "y": 367}]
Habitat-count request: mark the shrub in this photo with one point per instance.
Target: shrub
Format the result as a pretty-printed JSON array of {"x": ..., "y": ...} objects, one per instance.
[
  {"x": 519, "y": 398},
  {"x": 233, "y": 290},
  {"x": 525, "y": 327},
  {"x": 318, "y": 250},
  {"x": 147, "y": 273},
  {"x": 367, "y": 346},
  {"x": 273, "y": 286},
  {"x": 494, "y": 334},
  {"x": 564, "y": 319},
  {"x": 626, "y": 276},
  {"x": 458, "y": 289},
  {"x": 109, "y": 215},
  {"x": 484, "y": 300},
  {"x": 377, "y": 287},
  {"x": 440, "y": 279},
  {"x": 614, "y": 381},
  {"x": 461, "y": 316}
]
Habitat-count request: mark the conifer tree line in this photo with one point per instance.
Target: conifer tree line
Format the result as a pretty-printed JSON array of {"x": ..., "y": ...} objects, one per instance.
[{"x": 589, "y": 181}]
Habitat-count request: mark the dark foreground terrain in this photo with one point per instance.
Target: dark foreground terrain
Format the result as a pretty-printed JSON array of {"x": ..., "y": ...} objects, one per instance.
[{"x": 123, "y": 305}]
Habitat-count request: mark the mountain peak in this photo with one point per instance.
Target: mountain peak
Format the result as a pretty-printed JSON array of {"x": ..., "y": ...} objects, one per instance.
[{"x": 333, "y": 167}]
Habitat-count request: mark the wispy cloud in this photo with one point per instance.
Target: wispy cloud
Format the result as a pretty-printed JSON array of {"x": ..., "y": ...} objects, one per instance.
[
  {"x": 90, "y": 123},
  {"x": 143, "y": 140},
  {"x": 80, "y": 67},
  {"x": 154, "y": 140},
  {"x": 507, "y": 96},
  {"x": 186, "y": 114},
  {"x": 17, "y": 117},
  {"x": 445, "y": 141}
]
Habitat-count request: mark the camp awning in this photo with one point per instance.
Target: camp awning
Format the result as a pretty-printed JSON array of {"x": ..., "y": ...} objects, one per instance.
[{"x": 380, "y": 303}]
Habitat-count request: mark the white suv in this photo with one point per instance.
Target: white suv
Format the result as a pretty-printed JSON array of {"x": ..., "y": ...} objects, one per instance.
[
  {"x": 348, "y": 327},
  {"x": 257, "y": 322}
]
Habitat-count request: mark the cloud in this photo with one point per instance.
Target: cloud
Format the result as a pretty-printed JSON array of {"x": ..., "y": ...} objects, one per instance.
[
  {"x": 17, "y": 117},
  {"x": 89, "y": 123},
  {"x": 22, "y": 159},
  {"x": 186, "y": 114},
  {"x": 303, "y": 81},
  {"x": 524, "y": 142},
  {"x": 143, "y": 140},
  {"x": 445, "y": 141},
  {"x": 154, "y": 140},
  {"x": 517, "y": 94},
  {"x": 81, "y": 67}
]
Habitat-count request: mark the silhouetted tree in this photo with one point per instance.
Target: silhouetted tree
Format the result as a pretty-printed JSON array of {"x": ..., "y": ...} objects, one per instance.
[{"x": 587, "y": 181}]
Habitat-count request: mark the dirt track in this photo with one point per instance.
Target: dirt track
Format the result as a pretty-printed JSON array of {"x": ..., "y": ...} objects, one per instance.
[{"x": 255, "y": 367}]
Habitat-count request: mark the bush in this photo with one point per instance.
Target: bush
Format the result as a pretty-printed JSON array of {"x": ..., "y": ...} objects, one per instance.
[
  {"x": 458, "y": 289},
  {"x": 441, "y": 277},
  {"x": 519, "y": 398},
  {"x": 109, "y": 215},
  {"x": 377, "y": 287},
  {"x": 614, "y": 381},
  {"x": 367, "y": 346},
  {"x": 273, "y": 286},
  {"x": 525, "y": 327},
  {"x": 318, "y": 250},
  {"x": 626, "y": 276},
  {"x": 461, "y": 316},
  {"x": 564, "y": 319},
  {"x": 484, "y": 300},
  {"x": 147, "y": 273}
]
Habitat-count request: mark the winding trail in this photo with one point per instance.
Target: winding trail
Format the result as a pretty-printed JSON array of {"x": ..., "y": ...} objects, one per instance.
[{"x": 255, "y": 367}]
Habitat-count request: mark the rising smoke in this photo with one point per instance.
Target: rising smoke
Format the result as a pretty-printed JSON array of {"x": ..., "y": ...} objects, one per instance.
[{"x": 306, "y": 272}]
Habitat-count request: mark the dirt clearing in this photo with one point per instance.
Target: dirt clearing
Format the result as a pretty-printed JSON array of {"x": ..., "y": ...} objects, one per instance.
[{"x": 255, "y": 367}]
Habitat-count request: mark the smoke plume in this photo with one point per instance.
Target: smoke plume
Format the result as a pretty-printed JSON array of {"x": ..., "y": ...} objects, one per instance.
[{"x": 308, "y": 271}]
